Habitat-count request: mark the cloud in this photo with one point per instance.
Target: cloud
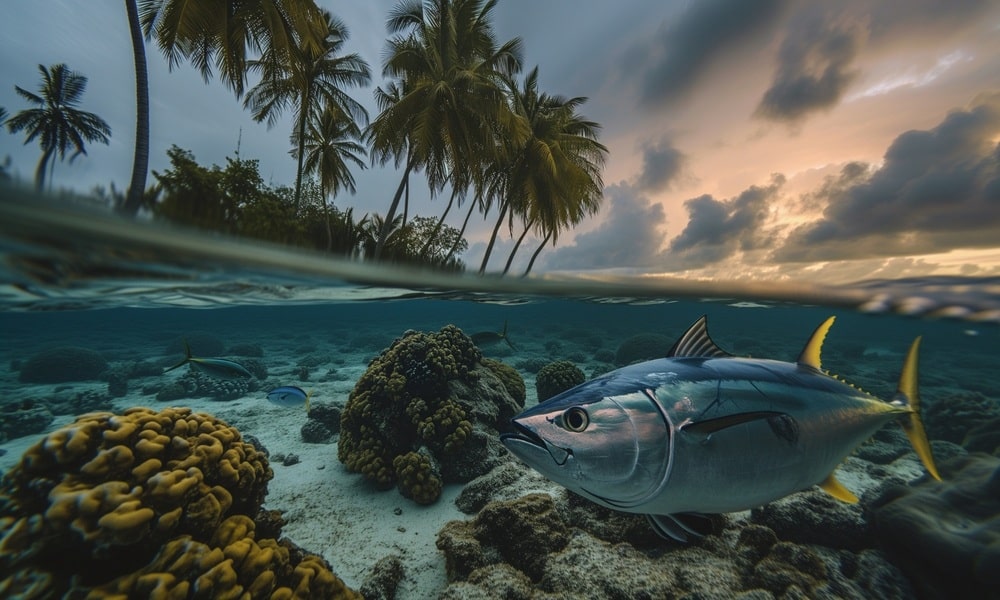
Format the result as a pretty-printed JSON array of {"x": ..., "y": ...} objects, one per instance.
[
  {"x": 671, "y": 64},
  {"x": 814, "y": 67},
  {"x": 718, "y": 229},
  {"x": 630, "y": 235},
  {"x": 662, "y": 164},
  {"x": 936, "y": 190}
]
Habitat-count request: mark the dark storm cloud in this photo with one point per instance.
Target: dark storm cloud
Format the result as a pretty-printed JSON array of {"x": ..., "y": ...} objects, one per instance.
[
  {"x": 814, "y": 67},
  {"x": 816, "y": 60},
  {"x": 662, "y": 164},
  {"x": 936, "y": 190},
  {"x": 670, "y": 64},
  {"x": 630, "y": 235},
  {"x": 718, "y": 229}
]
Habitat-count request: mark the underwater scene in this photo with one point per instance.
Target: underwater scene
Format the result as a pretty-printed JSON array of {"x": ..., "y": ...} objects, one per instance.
[{"x": 179, "y": 420}]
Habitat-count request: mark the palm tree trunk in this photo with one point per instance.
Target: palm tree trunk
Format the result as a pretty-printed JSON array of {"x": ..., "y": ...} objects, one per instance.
[
  {"x": 458, "y": 240},
  {"x": 387, "y": 222},
  {"x": 140, "y": 160},
  {"x": 493, "y": 238},
  {"x": 538, "y": 251},
  {"x": 440, "y": 223},
  {"x": 406, "y": 202},
  {"x": 43, "y": 165},
  {"x": 329, "y": 227},
  {"x": 510, "y": 259},
  {"x": 303, "y": 113}
]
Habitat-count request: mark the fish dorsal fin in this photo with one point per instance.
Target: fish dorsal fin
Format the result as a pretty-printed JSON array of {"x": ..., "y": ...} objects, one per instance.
[
  {"x": 831, "y": 486},
  {"x": 697, "y": 343},
  {"x": 810, "y": 356}
]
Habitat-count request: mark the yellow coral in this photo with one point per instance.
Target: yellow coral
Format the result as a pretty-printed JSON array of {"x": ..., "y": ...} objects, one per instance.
[{"x": 109, "y": 486}]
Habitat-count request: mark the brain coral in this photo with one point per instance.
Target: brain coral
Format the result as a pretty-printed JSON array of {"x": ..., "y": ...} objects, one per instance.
[
  {"x": 66, "y": 363},
  {"x": 557, "y": 377},
  {"x": 421, "y": 392},
  {"x": 96, "y": 500}
]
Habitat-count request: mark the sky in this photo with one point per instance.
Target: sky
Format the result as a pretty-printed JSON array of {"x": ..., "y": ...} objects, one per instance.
[{"x": 777, "y": 139}]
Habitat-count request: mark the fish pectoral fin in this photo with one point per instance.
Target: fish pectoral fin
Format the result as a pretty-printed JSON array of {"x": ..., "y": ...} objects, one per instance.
[
  {"x": 831, "y": 486},
  {"x": 681, "y": 527},
  {"x": 709, "y": 426}
]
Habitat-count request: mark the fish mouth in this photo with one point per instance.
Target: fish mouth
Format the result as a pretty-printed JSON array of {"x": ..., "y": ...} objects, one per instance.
[{"x": 524, "y": 435}]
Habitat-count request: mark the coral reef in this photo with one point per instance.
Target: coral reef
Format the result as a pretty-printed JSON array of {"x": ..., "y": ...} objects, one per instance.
[
  {"x": 147, "y": 504},
  {"x": 79, "y": 403},
  {"x": 946, "y": 534},
  {"x": 24, "y": 418},
  {"x": 557, "y": 377},
  {"x": 984, "y": 437},
  {"x": 951, "y": 417},
  {"x": 418, "y": 477},
  {"x": 65, "y": 363},
  {"x": 427, "y": 390},
  {"x": 536, "y": 547},
  {"x": 511, "y": 379},
  {"x": 232, "y": 564},
  {"x": 322, "y": 425},
  {"x": 196, "y": 383},
  {"x": 643, "y": 346},
  {"x": 381, "y": 582}
]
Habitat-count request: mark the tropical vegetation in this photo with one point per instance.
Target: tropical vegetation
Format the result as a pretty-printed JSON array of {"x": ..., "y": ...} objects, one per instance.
[
  {"x": 55, "y": 121},
  {"x": 311, "y": 78},
  {"x": 234, "y": 199},
  {"x": 452, "y": 107},
  {"x": 207, "y": 33}
]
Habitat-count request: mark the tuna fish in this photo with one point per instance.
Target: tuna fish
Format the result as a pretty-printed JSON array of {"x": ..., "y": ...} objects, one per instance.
[{"x": 702, "y": 431}]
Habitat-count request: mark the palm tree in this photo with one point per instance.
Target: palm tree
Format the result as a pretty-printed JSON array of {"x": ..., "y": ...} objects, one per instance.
[
  {"x": 219, "y": 32},
  {"x": 448, "y": 68},
  {"x": 331, "y": 143},
  {"x": 134, "y": 194},
  {"x": 56, "y": 121},
  {"x": 551, "y": 179},
  {"x": 308, "y": 77}
]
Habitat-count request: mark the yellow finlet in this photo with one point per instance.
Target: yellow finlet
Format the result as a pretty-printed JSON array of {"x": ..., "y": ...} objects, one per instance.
[
  {"x": 810, "y": 354},
  {"x": 831, "y": 486},
  {"x": 908, "y": 395}
]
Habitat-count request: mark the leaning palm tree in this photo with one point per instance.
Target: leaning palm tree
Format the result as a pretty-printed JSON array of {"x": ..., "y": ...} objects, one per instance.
[
  {"x": 551, "y": 179},
  {"x": 331, "y": 144},
  {"x": 449, "y": 66},
  {"x": 309, "y": 77},
  {"x": 55, "y": 121},
  {"x": 219, "y": 32}
]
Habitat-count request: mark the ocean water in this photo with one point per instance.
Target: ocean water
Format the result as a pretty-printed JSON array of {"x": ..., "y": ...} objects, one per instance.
[{"x": 76, "y": 277}]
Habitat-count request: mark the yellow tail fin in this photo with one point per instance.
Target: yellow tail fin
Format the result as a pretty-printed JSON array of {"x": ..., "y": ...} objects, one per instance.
[{"x": 908, "y": 395}]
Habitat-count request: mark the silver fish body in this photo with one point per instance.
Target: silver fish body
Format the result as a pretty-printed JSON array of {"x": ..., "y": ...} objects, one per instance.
[
  {"x": 220, "y": 368},
  {"x": 703, "y": 433}
]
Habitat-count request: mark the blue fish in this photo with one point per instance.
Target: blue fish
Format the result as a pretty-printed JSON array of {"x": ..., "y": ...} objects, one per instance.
[
  {"x": 290, "y": 396},
  {"x": 219, "y": 368},
  {"x": 701, "y": 431}
]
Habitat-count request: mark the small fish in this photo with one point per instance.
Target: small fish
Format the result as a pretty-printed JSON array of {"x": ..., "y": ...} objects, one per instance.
[
  {"x": 485, "y": 338},
  {"x": 289, "y": 396},
  {"x": 219, "y": 368},
  {"x": 702, "y": 431}
]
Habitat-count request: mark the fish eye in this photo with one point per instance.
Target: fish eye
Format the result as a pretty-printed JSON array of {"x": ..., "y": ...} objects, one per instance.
[{"x": 576, "y": 419}]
